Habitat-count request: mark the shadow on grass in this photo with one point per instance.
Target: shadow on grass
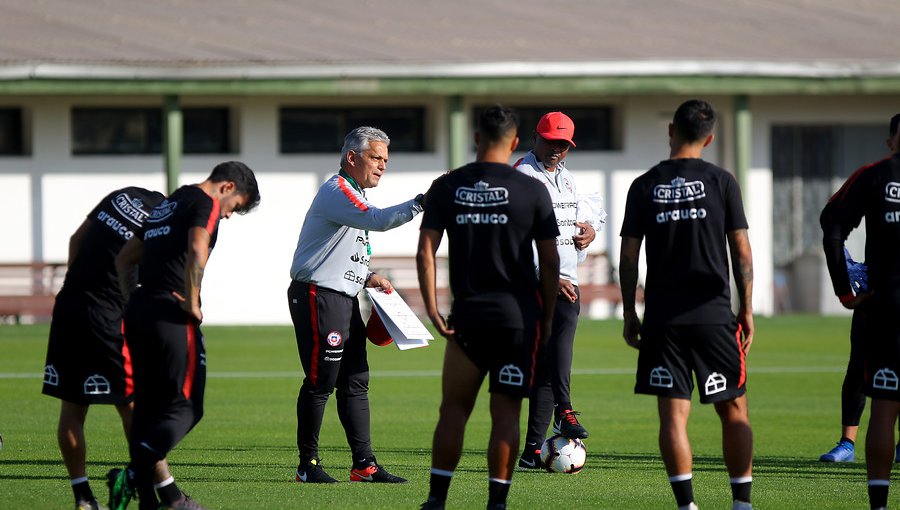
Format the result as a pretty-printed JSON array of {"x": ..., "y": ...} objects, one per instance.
[
  {"x": 766, "y": 466},
  {"x": 793, "y": 467}
]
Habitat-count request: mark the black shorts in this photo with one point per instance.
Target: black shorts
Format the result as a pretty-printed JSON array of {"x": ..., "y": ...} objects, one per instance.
[
  {"x": 88, "y": 361},
  {"x": 881, "y": 341},
  {"x": 169, "y": 371},
  {"x": 712, "y": 352},
  {"x": 508, "y": 355}
]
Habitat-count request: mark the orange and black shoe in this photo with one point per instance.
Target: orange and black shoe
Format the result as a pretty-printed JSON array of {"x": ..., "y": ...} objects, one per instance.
[
  {"x": 566, "y": 424},
  {"x": 372, "y": 472}
]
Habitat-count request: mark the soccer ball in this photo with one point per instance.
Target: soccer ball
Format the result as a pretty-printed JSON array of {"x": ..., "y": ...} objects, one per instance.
[{"x": 560, "y": 454}]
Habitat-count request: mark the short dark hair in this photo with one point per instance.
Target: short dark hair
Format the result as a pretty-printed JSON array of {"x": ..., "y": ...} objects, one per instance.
[
  {"x": 895, "y": 120},
  {"x": 496, "y": 122},
  {"x": 243, "y": 179},
  {"x": 694, "y": 120}
]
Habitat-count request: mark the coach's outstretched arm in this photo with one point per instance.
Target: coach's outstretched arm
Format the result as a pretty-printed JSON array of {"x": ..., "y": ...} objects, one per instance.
[
  {"x": 742, "y": 267},
  {"x": 629, "y": 256}
]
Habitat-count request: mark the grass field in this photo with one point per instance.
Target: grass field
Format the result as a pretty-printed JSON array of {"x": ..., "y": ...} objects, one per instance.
[{"x": 243, "y": 454}]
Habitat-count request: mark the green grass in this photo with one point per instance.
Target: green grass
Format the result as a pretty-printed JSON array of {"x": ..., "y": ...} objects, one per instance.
[{"x": 243, "y": 454}]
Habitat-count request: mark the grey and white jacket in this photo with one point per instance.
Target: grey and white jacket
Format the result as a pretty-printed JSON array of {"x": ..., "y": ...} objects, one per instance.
[{"x": 333, "y": 248}]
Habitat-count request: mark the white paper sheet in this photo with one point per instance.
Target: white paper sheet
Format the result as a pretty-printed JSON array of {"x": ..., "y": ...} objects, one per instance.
[{"x": 399, "y": 320}]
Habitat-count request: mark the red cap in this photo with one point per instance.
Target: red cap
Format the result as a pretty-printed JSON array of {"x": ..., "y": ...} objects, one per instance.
[
  {"x": 556, "y": 126},
  {"x": 376, "y": 331}
]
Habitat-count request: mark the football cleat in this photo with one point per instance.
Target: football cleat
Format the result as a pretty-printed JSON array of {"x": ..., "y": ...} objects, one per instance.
[
  {"x": 185, "y": 503},
  {"x": 312, "y": 472},
  {"x": 530, "y": 459},
  {"x": 566, "y": 424},
  {"x": 83, "y": 504},
  {"x": 741, "y": 505},
  {"x": 843, "y": 452},
  {"x": 374, "y": 473},
  {"x": 120, "y": 492}
]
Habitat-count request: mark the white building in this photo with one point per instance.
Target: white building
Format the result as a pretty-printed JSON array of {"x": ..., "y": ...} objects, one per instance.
[{"x": 87, "y": 88}]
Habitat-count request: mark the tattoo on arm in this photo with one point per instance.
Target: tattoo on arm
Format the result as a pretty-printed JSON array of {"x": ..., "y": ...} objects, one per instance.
[
  {"x": 628, "y": 275},
  {"x": 196, "y": 274},
  {"x": 628, "y": 271},
  {"x": 742, "y": 264}
]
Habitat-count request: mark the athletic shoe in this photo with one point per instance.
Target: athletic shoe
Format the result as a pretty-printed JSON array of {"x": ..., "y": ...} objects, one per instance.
[
  {"x": 374, "y": 473},
  {"x": 843, "y": 452},
  {"x": 312, "y": 472},
  {"x": 83, "y": 504},
  {"x": 432, "y": 504},
  {"x": 496, "y": 506},
  {"x": 566, "y": 424},
  {"x": 530, "y": 459},
  {"x": 741, "y": 505},
  {"x": 120, "y": 492},
  {"x": 185, "y": 503}
]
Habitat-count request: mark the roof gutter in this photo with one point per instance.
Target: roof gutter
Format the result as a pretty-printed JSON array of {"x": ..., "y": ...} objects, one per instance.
[
  {"x": 483, "y": 79},
  {"x": 279, "y": 71}
]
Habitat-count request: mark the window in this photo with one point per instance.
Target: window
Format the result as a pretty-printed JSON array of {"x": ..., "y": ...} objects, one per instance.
[
  {"x": 207, "y": 131},
  {"x": 11, "y": 132},
  {"x": 809, "y": 163},
  {"x": 140, "y": 130},
  {"x": 322, "y": 130},
  {"x": 116, "y": 131},
  {"x": 594, "y": 125}
]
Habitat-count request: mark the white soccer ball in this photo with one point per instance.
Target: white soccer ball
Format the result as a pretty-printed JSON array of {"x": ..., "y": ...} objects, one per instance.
[{"x": 560, "y": 454}]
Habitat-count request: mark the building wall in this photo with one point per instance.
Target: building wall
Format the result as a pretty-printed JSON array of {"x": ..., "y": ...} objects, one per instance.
[{"x": 247, "y": 277}]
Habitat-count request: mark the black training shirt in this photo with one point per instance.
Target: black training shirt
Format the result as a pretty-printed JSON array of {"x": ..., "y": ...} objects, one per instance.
[
  {"x": 111, "y": 224},
  {"x": 684, "y": 208},
  {"x": 165, "y": 237},
  {"x": 492, "y": 214},
  {"x": 872, "y": 192}
]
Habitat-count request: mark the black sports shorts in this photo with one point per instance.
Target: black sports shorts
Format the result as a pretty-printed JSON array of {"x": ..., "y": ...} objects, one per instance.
[
  {"x": 88, "y": 361},
  {"x": 670, "y": 353},
  {"x": 881, "y": 341},
  {"x": 508, "y": 355}
]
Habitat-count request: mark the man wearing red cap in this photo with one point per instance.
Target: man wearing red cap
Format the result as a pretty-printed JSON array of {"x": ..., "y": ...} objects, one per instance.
[{"x": 550, "y": 394}]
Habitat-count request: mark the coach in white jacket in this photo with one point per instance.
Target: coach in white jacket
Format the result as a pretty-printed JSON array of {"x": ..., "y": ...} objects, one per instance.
[
  {"x": 550, "y": 395},
  {"x": 331, "y": 266}
]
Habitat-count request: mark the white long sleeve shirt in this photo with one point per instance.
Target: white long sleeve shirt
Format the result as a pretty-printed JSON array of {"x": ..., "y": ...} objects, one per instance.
[{"x": 561, "y": 187}]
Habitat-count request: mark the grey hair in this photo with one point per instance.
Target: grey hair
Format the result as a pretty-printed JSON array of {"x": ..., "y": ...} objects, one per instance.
[{"x": 358, "y": 140}]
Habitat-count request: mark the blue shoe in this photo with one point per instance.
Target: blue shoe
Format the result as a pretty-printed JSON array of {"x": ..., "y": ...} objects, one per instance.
[{"x": 843, "y": 452}]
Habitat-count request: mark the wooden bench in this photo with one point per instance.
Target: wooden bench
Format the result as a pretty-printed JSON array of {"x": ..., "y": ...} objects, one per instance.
[
  {"x": 29, "y": 290},
  {"x": 594, "y": 275}
]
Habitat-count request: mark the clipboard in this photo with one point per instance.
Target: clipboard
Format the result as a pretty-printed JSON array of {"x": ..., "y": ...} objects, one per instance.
[{"x": 401, "y": 323}]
